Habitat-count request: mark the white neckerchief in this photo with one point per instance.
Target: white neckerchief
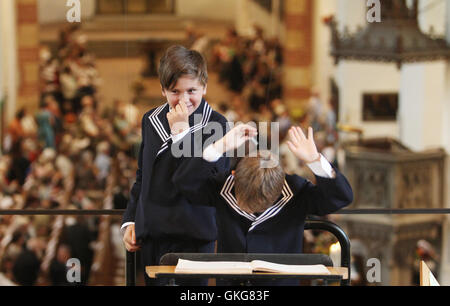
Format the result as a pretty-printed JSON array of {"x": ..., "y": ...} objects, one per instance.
[{"x": 270, "y": 212}]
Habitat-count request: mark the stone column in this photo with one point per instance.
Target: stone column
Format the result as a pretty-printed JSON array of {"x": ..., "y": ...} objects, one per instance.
[
  {"x": 275, "y": 18},
  {"x": 298, "y": 51},
  {"x": 8, "y": 57},
  {"x": 2, "y": 85},
  {"x": 28, "y": 54},
  {"x": 421, "y": 103},
  {"x": 243, "y": 24},
  {"x": 444, "y": 272},
  {"x": 2, "y": 69}
]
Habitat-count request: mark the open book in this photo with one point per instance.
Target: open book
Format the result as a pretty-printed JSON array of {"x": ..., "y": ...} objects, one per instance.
[{"x": 239, "y": 267}]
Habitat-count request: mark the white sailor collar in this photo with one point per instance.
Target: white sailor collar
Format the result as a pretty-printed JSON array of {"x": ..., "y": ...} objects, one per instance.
[
  {"x": 159, "y": 121},
  {"x": 270, "y": 212}
]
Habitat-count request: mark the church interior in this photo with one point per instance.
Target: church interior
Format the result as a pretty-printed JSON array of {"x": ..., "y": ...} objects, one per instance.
[{"x": 372, "y": 78}]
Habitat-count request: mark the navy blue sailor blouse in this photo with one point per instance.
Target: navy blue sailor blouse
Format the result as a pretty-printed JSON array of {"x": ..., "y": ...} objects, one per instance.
[
  {"x": 156, "y": 207},
  {"x": 279, "y": 229}
]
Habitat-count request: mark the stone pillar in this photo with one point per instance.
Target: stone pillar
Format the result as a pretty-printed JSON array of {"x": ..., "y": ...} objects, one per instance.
[
  {"x": 421, "y": 104},
  {"x": 8, "y": 57},
  {"x": 243, "y": 24},
  {"x": 2, "y": 85},
  {"x": 2, "y": 69},
  {"x": 298, "y": 51},
  {"x": 275, "y": 18},
  {"x": 444, "y": 273},
  {"x": 28, "y": 54}
]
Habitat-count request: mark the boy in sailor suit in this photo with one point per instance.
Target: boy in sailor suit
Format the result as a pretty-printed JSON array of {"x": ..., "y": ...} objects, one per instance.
[
  {"x": 159, "y": 219},
  {"x": 260, "y": 209}
]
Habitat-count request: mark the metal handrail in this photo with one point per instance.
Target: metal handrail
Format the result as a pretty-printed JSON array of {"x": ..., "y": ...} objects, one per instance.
[
  {"x": 311, "y": 224},
  {"x": 341, "y": 237},
  {"x": 120, "y": 212}
]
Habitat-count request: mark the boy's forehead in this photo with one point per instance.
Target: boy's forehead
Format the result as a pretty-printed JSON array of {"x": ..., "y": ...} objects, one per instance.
[{"x": 187, "y": 80}]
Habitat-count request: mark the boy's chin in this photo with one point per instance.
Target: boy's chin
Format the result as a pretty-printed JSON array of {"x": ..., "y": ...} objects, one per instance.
[{"x": 192, "y": 109}]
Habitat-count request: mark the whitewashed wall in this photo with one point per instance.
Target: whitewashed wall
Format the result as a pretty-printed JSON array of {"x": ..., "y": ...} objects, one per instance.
[{"x": 356, "y": 78}]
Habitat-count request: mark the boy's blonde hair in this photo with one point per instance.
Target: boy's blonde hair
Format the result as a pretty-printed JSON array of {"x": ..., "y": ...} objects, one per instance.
[{"x": 258, "y": 182}]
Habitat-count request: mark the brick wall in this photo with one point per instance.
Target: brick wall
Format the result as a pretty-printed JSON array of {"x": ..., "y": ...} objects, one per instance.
[
  {"x": 297, "y": 77},
  {"x": 28, "y": 54}
]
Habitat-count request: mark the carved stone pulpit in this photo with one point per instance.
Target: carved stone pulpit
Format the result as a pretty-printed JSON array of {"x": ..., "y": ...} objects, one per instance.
[{"x": 384, "y": 174}]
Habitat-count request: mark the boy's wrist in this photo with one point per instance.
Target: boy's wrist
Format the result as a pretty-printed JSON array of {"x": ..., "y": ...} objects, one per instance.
[
  {"x": 219, "y": 146},
  {"x": 316, "y": 159},
  {"x": 211, "y": 154},
  {"x": 179, "y": 127}
]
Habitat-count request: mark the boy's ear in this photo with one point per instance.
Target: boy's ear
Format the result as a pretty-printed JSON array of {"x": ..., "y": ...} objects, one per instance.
[
  {"x": 204, "y": 89},
  {"x": 163, "y": 91}
]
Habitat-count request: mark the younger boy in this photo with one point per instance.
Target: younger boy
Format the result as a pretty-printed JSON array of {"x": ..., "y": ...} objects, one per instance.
[
  {"x": 159, "y": 219},
  {"x": 259, "y": 208}
]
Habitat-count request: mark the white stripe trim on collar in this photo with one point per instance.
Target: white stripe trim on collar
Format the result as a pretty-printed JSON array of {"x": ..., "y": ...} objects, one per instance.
[
  {"x": 270, "y": 212},
  {"x": 231, "y": 200},
  {"x": 157, "y": 124},
  {"x": 164, "y": 135}
]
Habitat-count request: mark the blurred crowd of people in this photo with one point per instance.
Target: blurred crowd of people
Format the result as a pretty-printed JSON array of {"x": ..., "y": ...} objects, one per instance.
[
  {"x": 60, "y": 158},
  {"x": 251, "y": 69}
]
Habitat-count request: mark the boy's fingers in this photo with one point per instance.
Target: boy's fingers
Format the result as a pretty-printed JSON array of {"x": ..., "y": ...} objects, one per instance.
[
  {"x": 133, "y": 237},
  {"x": 249, "y": 129},
  {"x": 178, "y": 108},
  {"x": 293, "y": 136},
  {"x": 300, "y": 132},
  {"x": 184, "y": 107},
  {"x": 310, "y": 133},
  {"x": 290, "y": 145}
]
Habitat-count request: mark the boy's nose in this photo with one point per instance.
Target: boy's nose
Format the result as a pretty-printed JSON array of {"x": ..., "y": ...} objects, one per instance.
[{"x": 184, "y": 97}]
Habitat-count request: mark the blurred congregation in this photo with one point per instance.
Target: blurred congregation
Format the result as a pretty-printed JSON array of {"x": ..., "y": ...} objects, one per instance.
[
  {"x": 74, "y": 144},
  {"x": 61, "y": 157}
]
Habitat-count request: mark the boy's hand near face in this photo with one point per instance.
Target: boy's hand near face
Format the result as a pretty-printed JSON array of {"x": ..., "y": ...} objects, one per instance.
[
  {"x": 236, "y": 137},
  {"x": 302, "y": 147},
  {"x": 178, "y": 118}
]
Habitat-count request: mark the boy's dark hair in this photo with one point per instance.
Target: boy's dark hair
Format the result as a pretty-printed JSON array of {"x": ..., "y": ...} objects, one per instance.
[
  {"x": 178, "y": 61},
  {"x": 258, "y": 182}
]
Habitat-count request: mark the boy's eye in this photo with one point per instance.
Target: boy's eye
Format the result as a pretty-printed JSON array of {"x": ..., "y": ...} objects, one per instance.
[{"x": 192, "y": 90}]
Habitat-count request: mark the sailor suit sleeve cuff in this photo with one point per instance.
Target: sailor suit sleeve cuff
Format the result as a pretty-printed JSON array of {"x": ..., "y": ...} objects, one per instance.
[
  {"x": 210, "y": 154},
  {"x": 179, "y": 136},
  {"x": 322, "y": 168}
]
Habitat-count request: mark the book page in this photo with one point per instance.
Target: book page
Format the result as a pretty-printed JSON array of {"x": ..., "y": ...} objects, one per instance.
[
  {"x": 433, "y": 281},
  {"x": 265, "y": 266},
  {"x": 213, "y": 267}
]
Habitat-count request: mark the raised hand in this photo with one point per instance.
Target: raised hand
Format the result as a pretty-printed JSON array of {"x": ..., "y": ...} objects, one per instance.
[
  {"x": 302, "y": 147},
  {"x": 178, "y": 118},
  {"x": 236, "y": 137}
]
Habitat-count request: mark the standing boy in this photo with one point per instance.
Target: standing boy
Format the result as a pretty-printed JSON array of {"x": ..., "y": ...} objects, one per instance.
[{"x": 159, "y": 219}]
